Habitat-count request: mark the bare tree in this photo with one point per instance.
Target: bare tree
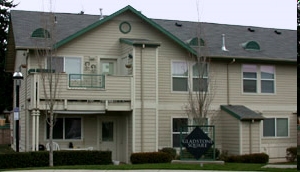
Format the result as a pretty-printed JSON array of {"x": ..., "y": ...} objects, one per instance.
[
  {"x": 50, "y": 67},
  {"x": 201, "y": 87}
]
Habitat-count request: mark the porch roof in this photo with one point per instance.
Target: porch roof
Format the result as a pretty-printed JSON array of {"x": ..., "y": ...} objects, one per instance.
[
  {"x": 241, "y": 112},
  {"x": 77, "y": 112}
]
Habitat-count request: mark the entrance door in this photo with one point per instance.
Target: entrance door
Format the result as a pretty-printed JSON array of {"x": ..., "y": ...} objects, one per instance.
[{"x": 108, "y": 137}]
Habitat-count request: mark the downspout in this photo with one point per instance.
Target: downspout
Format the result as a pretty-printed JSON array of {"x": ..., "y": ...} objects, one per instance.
[
  {"x": 142, "y": 100},
  {"x": 228, "y": 92}
]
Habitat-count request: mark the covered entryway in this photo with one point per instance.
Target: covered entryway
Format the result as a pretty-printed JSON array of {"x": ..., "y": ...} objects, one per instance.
[{"x": 107, "y": 135}]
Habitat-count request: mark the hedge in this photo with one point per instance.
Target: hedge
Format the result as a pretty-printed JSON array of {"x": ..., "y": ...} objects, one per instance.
[
  {"x": 60, "y": 158},
  {"x": 260, "y": 158}
]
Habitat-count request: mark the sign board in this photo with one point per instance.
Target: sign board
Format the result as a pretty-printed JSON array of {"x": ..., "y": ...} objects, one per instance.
[
  {"x": 197, "y": 143},
  {"x": 16, "y": 114}
]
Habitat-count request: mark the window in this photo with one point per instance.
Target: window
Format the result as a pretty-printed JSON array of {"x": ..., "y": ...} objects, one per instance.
[
  {"x": 258, "y": 79},
  {"x": 275, "y": 127},
  {"x": 200, "y": 77},
  {"x": 70, "y": 65},
  {"x": 108, "y": 67},
  {"x": 66, "y": 128},
  {"x": 180, "y": 76},
  {"x": 181, "y": 80},
  {"x": 178, "y": 123}
]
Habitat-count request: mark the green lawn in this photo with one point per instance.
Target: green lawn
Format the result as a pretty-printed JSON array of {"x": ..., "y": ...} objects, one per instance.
[{"x": 226, "y": 167}]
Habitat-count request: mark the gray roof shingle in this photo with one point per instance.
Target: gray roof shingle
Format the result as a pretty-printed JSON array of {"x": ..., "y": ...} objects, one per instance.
[
  {"x": 273, "y": 46},
  {"x": 241, "y": 112}
]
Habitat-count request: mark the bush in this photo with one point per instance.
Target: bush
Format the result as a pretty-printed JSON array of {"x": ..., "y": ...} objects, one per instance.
[
  {"x": 170, "y": 151},
  {"x": 291, "y": 154},
  {"x": 60, "y": 158},
  {"x": 150, "y": 157},
  {"x": 260, "y": 158}
]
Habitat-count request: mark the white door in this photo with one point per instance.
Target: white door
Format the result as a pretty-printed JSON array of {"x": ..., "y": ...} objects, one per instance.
[{"x": 108, "y": 137}]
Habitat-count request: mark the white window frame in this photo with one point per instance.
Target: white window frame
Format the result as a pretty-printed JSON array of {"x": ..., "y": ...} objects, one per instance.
[
  {"x": 258, "y": 80},
  {"x": 189, "y": 77},
  {"x": 275, "y": 128},
  {"x": 71, "y": 57},
  {"x": 185, "y": 77},
  {"x": 64, "y": 129},
  {"x": 113, "y": 61}
]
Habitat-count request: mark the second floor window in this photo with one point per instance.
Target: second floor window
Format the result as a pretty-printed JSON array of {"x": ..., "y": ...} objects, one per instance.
[
  {"x": 70, "y": 65},
  {"x": 258, "y": 78},
  {"x": 187, "y": 76}
]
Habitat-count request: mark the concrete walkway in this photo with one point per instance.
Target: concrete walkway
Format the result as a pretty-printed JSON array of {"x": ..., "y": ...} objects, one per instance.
[{"x": 121, "y": 171}]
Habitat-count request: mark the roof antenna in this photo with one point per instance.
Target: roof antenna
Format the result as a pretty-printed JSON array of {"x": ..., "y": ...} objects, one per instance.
[
  {"x": 223, "y": 45},
  {"x": 101, "y": 15}
]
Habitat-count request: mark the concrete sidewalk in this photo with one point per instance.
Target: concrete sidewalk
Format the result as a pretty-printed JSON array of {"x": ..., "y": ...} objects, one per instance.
[{"x": 121, "y": 171}]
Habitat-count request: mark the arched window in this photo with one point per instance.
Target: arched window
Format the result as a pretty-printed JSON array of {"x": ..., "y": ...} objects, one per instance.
[
  {"x": 40, "y": 33},
  {"x": 251, "y": 45},
  {"x": 195, "y": 41}
]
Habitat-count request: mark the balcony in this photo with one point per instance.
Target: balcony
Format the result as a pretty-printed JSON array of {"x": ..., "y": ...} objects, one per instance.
[
  {"x": 80, "y": 91},
  {"x": 86, "y": 81}
]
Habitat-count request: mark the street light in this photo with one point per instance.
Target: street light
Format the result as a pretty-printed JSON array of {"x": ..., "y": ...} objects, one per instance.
[{"x": 17, "y": 76}]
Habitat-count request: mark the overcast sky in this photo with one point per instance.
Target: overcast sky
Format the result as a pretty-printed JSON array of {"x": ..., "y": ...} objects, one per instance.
[{"x": 279, "y": 14}]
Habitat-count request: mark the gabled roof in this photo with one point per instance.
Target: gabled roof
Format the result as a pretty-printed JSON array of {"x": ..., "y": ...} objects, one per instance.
[
  {"x": 241, "y": 112},
  {"x": 275, "y": 44}
]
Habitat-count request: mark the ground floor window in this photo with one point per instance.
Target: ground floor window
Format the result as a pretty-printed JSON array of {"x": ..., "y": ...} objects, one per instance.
[
  {"x": 66, "y": 128},
  {"x": 179, "y": 125},
  {"x": 275, "y": 127}
]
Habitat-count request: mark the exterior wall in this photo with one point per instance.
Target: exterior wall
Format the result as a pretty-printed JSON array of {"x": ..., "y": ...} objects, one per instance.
[
  {"x": 250, "y": 137},
  {"x": 145, "y": 98},
  {"x": 283, "y": 74},
  {"x": 231, "y": 134},
  {"x": 276, "y": 146}
]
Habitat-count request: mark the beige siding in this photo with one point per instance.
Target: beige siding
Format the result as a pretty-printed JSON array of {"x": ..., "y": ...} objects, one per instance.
[
  {"x": 250, "y": 137},
  {"x": 230, "y": 134},
  {"x": 276, "y": 146}
]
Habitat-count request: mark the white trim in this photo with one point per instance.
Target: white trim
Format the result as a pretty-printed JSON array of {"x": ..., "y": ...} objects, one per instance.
[
  {"x": 133, "y": 100},
  {"x": 241, "y": 137},
  {"x": 258, "y": 80},
  {"x": 156, "y": 103},
  {"x": 276, "y": 137}
]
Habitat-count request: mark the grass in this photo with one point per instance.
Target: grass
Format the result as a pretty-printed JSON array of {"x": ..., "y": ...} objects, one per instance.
[{"x": 167, "y": 166}]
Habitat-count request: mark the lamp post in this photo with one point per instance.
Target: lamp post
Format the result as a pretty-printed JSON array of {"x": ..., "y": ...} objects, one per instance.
[{"x": 17, "y": 76}]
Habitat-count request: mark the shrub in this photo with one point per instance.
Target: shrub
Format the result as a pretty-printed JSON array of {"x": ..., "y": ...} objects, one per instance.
[
  {"x": 170, "y": 151},
  {"x": 224, "y": 155},
  {"x": 260, "y": 158},
  {"x": 150, "y": 157},
  {"x": 291, "y": 154},
  {"x": 41, "y": 158},
  {"x": 298, "y": 162}
]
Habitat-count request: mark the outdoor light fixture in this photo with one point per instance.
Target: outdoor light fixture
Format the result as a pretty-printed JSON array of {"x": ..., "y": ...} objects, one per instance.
[{"x": 17, "y": 76}]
